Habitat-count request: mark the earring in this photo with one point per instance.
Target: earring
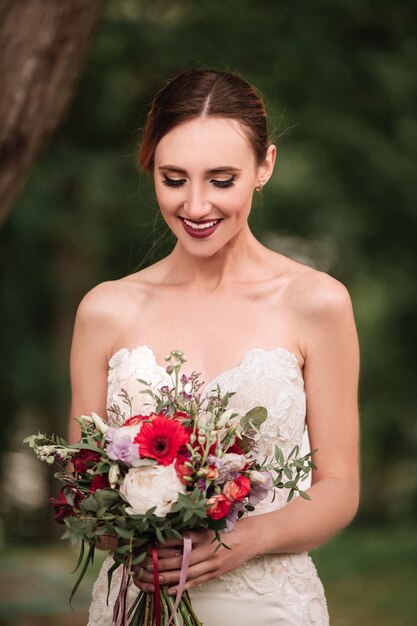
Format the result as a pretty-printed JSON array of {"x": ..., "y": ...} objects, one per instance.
[{"x": 259, "y": 186}]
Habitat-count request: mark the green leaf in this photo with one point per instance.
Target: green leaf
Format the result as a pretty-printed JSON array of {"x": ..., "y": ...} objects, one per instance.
[
  {"x": 80, "y": 558},
  {"x": 145, "y": 382},
  {"x": 295, "y": 451},
  {"x": 287, "y": 472},
  {"x": 125, "y": 534},
  {"x": 89, "y": 558},
  {"x": 138, "y": 559},
  {"x": 112, "y": 569},
  {"x": 304, "y": 494},
  {"x": 255, "y": 416},
  {"x": 279, "y": 455}
]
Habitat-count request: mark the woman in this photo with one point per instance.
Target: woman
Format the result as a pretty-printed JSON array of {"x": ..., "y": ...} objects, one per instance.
[{"x": 221, "y": 296}]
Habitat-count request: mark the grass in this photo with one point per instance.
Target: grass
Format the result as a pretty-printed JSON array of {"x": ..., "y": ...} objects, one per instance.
[{"x": 370, "y": 577}]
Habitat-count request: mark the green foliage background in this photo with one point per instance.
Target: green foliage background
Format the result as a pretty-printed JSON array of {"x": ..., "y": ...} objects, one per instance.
[{"x": 340, "y": 88}]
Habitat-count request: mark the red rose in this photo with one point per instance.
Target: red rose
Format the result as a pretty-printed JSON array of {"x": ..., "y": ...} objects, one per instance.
[
  {"x": 62, "y": 505},
  {"x": 182, "y": 415},
  {"x": 182, "y": 469},
  {"x": 234, "y": 448},
  {"x": 218, "y": 506},
  {"x": 237, "y": 489},
  {"x": 85, "y": 459},
  {"x": 138, "y": 419},
  {"x": 100, "y": 481}
]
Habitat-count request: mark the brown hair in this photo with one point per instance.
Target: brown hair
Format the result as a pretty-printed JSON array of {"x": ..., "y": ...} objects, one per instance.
[{"x": 204, "y": 92}]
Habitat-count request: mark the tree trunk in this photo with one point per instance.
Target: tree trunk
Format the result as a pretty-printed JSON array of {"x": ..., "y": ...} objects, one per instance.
[{"x": 43, "y": 45}]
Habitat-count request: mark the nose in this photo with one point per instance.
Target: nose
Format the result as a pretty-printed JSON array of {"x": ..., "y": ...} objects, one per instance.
[{"x": 196, "y": 205}]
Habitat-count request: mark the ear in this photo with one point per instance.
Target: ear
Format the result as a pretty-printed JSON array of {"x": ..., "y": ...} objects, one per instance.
[{"x": 265, "y": 170}]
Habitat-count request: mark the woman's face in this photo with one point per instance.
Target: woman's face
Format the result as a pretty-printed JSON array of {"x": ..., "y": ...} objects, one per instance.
[{"x": 205, "y": 170}]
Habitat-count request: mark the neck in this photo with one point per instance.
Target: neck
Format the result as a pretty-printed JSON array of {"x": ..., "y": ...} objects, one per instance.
[{"x": 237, "y": 260}]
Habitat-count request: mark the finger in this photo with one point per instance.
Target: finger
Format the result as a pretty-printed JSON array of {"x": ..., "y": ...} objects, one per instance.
[
  {"x": 165, "y": 565},
  {"x": 166, "y": 553},
  {"x": 146, "y": 579},
  {"x": 196, "y": 574},
  {"x": 141, "y": 575}
]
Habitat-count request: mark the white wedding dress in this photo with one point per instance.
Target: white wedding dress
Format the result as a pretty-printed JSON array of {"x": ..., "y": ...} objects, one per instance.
[{"x": 269, "y": 590}]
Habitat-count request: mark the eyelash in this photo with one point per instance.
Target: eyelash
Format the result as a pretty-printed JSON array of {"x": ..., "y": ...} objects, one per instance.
[{"x": 218, "y": 183}]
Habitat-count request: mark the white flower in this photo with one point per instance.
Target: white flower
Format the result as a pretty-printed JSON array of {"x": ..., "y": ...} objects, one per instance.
[
  {"x": 114, "y": 475},
  {"x": 151, "y": 485},
  {"x": 259, "y": 478},
  {"x": 99, "y": 423},
  {"x": 114, "y": 434},
  {"x": 95, "y": 419},
  {"x": 226, "y": 419}
]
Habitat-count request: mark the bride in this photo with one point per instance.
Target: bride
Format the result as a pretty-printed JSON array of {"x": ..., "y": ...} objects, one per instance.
[{"x": 277, "y": 332}]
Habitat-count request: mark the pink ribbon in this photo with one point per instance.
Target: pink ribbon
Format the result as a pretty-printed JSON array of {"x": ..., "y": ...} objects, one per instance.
[{"x": 186, "y": 556}]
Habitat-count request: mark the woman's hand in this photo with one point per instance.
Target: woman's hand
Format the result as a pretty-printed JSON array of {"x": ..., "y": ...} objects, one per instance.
[
  {"x": 205, "y": 563},
  {"x": 106, "y": 542}
]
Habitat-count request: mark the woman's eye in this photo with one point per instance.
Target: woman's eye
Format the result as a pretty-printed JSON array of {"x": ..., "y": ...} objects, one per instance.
[
  {"x": 172, "y": 182},
  {"x": 224, "y": 183}
]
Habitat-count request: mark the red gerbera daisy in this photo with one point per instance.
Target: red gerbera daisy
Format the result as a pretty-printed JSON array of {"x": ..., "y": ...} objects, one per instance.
[{"x": 161, "y": 439}]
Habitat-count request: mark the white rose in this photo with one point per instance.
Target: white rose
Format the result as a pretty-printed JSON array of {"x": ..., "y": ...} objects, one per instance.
[{"x": 147, "y": 486}]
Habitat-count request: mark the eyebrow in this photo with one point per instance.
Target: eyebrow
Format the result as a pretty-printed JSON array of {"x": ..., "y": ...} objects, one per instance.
[{"x": 214, "y": 170}]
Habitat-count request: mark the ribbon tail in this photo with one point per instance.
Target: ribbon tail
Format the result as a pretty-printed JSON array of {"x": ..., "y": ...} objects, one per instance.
[
  {"x": 157, "y": 592},
  {"x": 186, "y": 556},
  {"x": 119, "y": 611}
]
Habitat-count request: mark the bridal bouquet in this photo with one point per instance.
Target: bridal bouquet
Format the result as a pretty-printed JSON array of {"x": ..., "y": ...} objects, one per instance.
[{"x": 187, "y": 464}]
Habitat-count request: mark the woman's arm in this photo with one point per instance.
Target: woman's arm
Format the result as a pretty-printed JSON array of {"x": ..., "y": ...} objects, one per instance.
[
  {"x": 88, "y": 366},
  {"x": 331, "y": 373}
]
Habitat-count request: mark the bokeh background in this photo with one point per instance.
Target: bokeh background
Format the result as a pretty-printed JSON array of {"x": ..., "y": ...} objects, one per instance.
[{"x": 339, "y": 80}]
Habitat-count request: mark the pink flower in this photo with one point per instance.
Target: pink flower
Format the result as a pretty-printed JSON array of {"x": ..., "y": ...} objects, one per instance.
[
  {"x": 237, "y": 489},
  {"x": 218, "y": 506}
]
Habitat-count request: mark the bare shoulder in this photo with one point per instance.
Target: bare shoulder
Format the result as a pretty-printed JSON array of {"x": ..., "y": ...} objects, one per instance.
[
  {"x": 324, "y": 311},
  {"x": 112, "y": 299},
  {"x": 315, "y": 294}
]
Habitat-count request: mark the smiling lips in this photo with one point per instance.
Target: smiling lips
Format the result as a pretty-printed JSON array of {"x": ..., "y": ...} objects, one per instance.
[{"x": 200, "y": 229}]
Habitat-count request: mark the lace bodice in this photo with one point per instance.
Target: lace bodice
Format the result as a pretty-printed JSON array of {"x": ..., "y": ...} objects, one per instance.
[{"x": 269, "y": 378}]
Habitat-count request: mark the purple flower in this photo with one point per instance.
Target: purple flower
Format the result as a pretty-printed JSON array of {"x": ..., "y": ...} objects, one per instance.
[
  {"x": 123, "y": 450},
  {"x": 232, "y": 516},
  {"x": 60, "y": 459},
  {"x": 259, "y": 492}
]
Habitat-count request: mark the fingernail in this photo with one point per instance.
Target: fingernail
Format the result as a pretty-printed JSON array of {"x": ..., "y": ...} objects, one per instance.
[
  {"x": 172, "y": 592},
  {"x": 178, "y": 553},
  {"x": 161, "y": 579},
  {"x": 149, "y": 568}
]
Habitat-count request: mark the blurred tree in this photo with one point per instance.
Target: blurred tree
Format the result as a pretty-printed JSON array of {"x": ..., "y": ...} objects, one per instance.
[{"x": 43, "y": 46}]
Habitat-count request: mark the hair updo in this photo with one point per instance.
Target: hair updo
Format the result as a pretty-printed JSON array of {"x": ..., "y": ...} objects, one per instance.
[{"x": 200, "y": 92}]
